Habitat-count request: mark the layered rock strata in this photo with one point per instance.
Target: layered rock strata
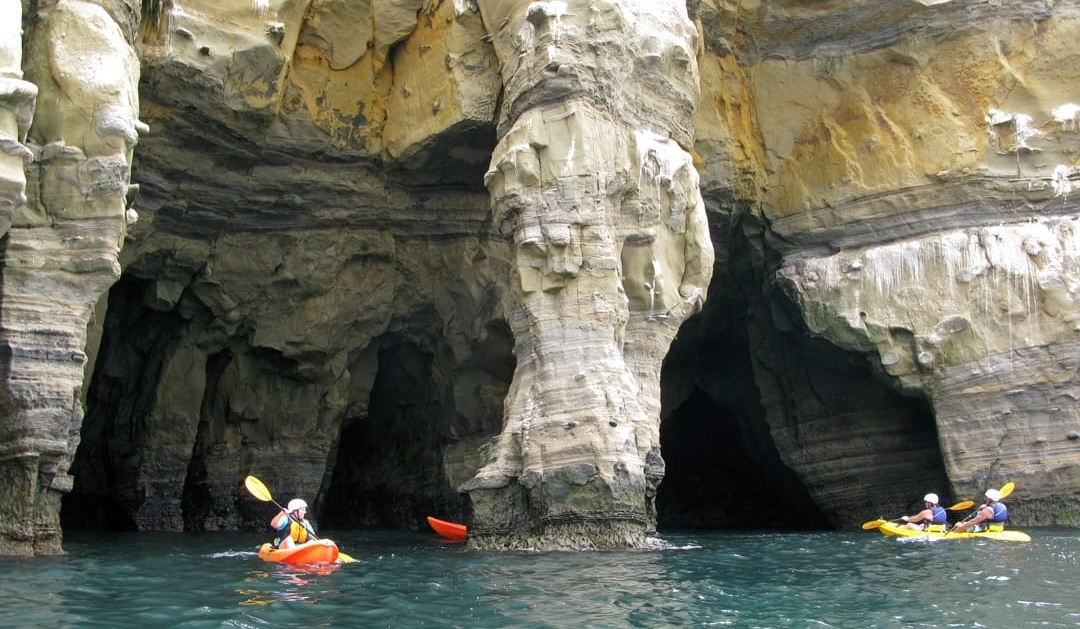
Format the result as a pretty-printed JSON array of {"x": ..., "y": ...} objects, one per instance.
[
  {"x": 390, "y": 249},
  {"x": 313, "y": 276},
  {"x": 61, "y": 250},
  {"x": 918, "y": 197},
  {"x": 19, "y": 456},
  {"x": 593, "y": 181}
]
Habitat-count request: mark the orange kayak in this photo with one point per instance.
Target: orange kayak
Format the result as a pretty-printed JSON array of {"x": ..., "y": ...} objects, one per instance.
[
  {"x": 316, "y": 551},
  {"x": 449, "y": 530}
]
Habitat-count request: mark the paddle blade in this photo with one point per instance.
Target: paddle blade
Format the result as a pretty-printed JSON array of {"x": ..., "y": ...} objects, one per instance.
[
  {"x": 1007, "y": 489},
  {"x": 961, "y": 506},
  {"x": 872, "y": 524},
  {"x": 257, "y": 489},
  {"x": 344, "y": 558}
]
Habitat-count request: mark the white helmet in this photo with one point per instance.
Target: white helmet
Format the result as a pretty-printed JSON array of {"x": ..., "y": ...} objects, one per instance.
[
  {"x": 295, "y": 504},
  {"x": 993, "y": 494},
  {"x": 931, "y": 498}
]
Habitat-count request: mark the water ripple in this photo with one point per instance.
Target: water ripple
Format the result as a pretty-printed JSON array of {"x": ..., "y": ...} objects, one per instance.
[{"x": 769, "y": 580}]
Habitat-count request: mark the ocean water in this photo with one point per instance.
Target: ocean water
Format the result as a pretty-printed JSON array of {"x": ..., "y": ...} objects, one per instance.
[{"x": 687, "y": 579}]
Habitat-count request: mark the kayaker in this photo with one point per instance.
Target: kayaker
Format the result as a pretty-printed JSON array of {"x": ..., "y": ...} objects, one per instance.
[
  {"x": 293, "y": 524},
  {"x": 932, "y": 513},
  {"x": 992, "y": 512}
]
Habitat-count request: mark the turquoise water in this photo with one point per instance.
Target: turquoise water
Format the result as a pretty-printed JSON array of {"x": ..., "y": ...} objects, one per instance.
[{"x": 857, "y": 579}]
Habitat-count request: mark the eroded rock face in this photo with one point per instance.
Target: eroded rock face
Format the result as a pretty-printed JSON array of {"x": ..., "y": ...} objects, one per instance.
[
  {"x": 251, "y": 327},
  {"x": 918, "y": 194},
  {"x": 20, "y": 459},
  {"x": 611, "y": 254},
  {"x": 390, "y": 249},
  {"x": 61, "y": 251}
]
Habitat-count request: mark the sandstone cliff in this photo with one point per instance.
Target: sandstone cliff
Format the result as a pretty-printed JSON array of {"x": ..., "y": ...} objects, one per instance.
[
  {"x": 62, "y": 241},
  {"x": 378, "y": 252}
]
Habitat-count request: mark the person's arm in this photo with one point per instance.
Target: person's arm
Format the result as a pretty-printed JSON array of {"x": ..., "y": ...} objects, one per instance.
[
  {"x": 280, "y": 521},
  {"x": 983, "y": 514},
  {"x": 923, "y": 516}
]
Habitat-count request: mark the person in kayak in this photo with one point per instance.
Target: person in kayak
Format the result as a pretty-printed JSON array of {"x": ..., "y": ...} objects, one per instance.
[
  {"x": 932, "y": 513},
  {"x": 992, "y": 512},
  {"x": 293, "y": 524}
]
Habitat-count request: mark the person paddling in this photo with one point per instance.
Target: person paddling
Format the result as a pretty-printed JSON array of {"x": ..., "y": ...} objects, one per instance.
[
  {"x": 932, "y": 513},
  {"x": 293, "y": 524},
  {"x": 992, "y": 512}
]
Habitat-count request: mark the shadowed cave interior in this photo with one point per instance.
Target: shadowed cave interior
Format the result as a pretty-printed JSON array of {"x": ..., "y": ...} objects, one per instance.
[
  {"x": 403, "y": 457},
  {"x": 389, "y": 472},
  {"x": 714, "y": 480}
]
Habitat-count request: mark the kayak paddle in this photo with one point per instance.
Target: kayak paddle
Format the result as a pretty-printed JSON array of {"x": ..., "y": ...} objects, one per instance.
[
  {"x": 257, "y": 489},
  {"x": 960, "y": 506}
]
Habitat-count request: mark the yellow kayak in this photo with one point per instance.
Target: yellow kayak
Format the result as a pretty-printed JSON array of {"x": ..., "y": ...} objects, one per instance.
[{"x": 893, "y": 529}]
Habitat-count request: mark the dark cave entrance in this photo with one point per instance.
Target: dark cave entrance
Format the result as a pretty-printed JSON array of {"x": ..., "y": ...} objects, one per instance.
[
  {"x": 873, "y": 447},
  {"x": 135, "y": 341},
  {"x": 719, "y": 474},
  {"x": 387, "y": 472},
  {"x": 421, "y": 422},
  {"x": 402, "y": 457}
]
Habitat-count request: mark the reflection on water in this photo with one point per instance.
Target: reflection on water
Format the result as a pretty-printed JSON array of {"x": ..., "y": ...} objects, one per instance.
[
  {"x": 286, "y": 583},
  {"x": 856, "y": 579}
]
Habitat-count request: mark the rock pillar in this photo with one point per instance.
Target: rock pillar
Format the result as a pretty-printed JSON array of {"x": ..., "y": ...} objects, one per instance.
[
  {"x": 17, "y": 99},
  {"x": 61, "y": 251},
  {"x": 593, "y": 183}
]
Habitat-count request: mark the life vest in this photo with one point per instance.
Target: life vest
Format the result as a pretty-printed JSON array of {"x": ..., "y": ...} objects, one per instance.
[
  {"x": 938, "y": 515},
  {"x": 1001, "y": 512},
  {"x": 298, "y": 532}
]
